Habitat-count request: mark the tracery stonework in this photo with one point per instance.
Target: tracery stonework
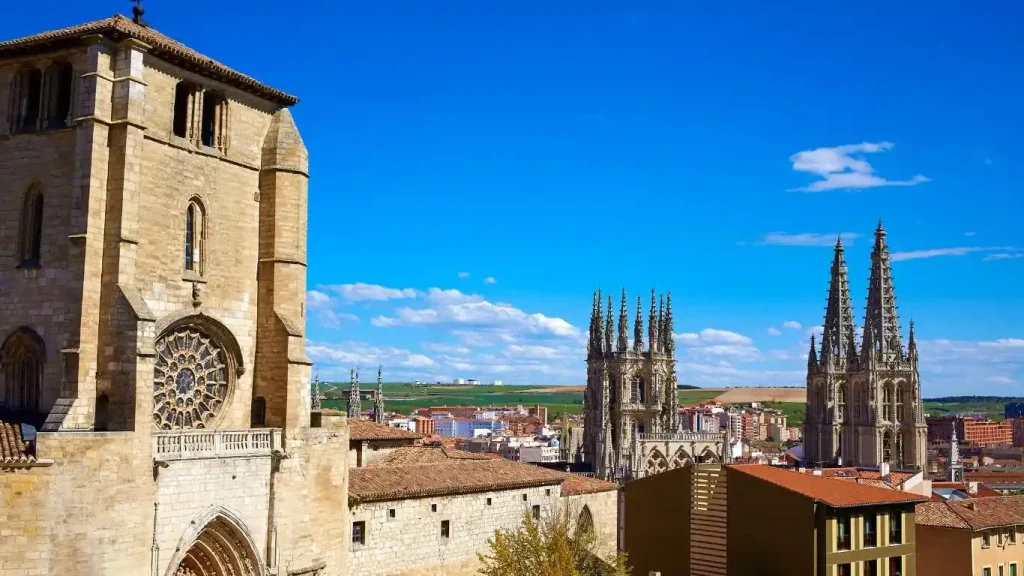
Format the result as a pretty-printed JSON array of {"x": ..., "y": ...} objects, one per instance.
[{"x": 190, "y": 381}]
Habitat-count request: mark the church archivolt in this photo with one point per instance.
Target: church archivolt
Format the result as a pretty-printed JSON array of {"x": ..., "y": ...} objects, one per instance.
[{"x": 154, "y": 390}]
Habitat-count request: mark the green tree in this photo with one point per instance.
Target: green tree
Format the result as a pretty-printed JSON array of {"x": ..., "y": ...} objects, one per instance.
[{"x": 554, "y": 546}]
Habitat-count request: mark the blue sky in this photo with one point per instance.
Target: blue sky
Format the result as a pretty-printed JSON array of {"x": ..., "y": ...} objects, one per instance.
[{"x": 478, "y": 168}]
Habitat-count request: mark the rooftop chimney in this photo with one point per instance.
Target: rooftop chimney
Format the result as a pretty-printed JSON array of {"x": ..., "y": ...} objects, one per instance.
[{"x": 883, "y": 470}]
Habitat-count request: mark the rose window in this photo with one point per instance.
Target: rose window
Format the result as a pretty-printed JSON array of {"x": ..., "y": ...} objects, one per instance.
[{"x": 190, "y": 381}]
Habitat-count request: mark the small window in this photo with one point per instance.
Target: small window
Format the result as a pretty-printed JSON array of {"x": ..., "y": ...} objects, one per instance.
[
  {"x": 547, "y": 491},
  {"x": 27, "y": 96},
  {"x": 359, "y": 532},
  {"x": 896, "y": 566},
  {"x": 488, "y": 501},
  {"x": 1013, "y": 569},
  {"x": 843, "y": 533},
  {"x": 184, "y": 94},
  {"x": 871, "y": 568},
  {"x": 1011, "y": 535},
  {"x": 986, "y": 539},
  {"x": 59, "y": 78},
  {"x": 870, "y": 530},
  {"x": 433, "y": 507},
  {"x": 525, "y": 498},
  {"x": 895, "y": 528},
  {"x": 536, "y": 512},
  {"x": 258, "y": 418},
  {"x": 391, "y": 512},
  {"x": 1001, "y": 573},
  {"x": 843, "y": 570},
  {"x": 445, "y": 533},
  {"x": 102, "y": 422},
  {"x": 31, "y": 228},
  {"x": 195, "y": 237},
  {"x": 986, "y": 571},
  {"x": 214, "y": 121}
]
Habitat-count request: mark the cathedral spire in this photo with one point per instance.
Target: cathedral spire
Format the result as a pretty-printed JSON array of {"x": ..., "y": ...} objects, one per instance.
[
  {"x": 623, "y": 343},
  {"x": 838, "y": 337},
  {"x": 638, "y": 328},
  {"x": 595, "y": 326},
  {"x": 669, "y": 340},
  {"x": 812, "y": 356},
  {"x": 652, "y": 326},
  {"x": 609, "y": 329},
  {"x": 378, "y": 397},
  {"x": 881, "y": 325},
  {"x": 661, "y": 323},
  {"x": 353, "y": 394}
]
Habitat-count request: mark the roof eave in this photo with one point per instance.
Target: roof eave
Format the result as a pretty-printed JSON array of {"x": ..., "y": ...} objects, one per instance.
[{"x": 416, "y": 494}]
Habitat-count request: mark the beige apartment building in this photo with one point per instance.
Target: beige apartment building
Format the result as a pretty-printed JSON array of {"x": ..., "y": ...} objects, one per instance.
[{"x": 976, "y": 537}]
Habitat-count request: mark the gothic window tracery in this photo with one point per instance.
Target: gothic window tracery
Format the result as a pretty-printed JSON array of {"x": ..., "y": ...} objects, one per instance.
[
  {"x": 195, "y": 236},
  {"x": 655, "y": 463},
  {"x": 887, "y": 403},
  {"x": 841, "y": 401},
  {"x": 31, "y": 233},
  {"x": 190, "y": 383},
  {"x": 21, "y": 367},
  {"x": 899, "y": 402},
  {"x": 887, "y": 446}
]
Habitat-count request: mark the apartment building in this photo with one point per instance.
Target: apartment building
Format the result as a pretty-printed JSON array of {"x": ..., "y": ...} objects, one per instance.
[
  {"x": 977, "y": 536},
  {"x": 976, "y": 431}
]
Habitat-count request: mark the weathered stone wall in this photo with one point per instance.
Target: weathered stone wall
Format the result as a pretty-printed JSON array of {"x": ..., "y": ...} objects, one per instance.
[
  {"x": 604, "y": 510},
  {"x": 411, "y": 542},
  {"x": 89, "y": 513},
  {"x": 187, "y": 489}
]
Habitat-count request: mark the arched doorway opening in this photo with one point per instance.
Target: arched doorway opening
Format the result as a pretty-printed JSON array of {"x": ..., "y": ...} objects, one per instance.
[{"x": 220, "y": 549}]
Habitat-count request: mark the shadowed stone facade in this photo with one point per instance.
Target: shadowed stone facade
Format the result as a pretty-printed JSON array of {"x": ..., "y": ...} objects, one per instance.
[
  {"x": 864, "y": 403},
  {"x": 631, "y": 421},
  {"x": 152, "y": 294}
]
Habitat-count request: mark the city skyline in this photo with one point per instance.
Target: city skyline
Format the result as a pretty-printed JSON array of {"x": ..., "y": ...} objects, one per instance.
[{"x": 479, "y": 170}]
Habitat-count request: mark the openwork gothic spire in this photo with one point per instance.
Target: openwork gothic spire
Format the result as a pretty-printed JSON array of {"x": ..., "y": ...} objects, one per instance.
[
  {"x": 668, "y": 345},
  {"x": 609, "y": 329},
  {"x": 838, "y": 342},
  {"x": 353, "y": 394},
  {"x": 638, "y": 328},
  {"x": 882, "y": 340},
  {"x": 812, "y": 356},
  {"x": 661, "y": 323},
  {"x": 912, "y": 344},
  {"x": 378, "y": 397},
  {"x": 596, "y": 336},
  {"x": 652, "y": 326},
  {"x": 623, "y": 343}
]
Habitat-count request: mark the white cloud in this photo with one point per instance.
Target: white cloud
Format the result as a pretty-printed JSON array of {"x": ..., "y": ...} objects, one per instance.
[
  {"x": 451, "y": 307},
  {"x": 714, "y": 335},
  {"x": 815, "y": 331},
  {"x": 317, "y": 299},
  {"x": 774, "y": 331},
  {"x": 463, "y": 274},
  {"x": 950, "y": 366},
  {"x": 1004, "y": 252},
  {"x": 347, "y": 354},
  {"x": 791, "y": 324},
  {"x": 331, "y": 319},
  {"x": 360, "y": 292},
  {"x": 446, "y": 348},
  {"x": 417, "y": 361},
  {"x": 712, "y": 343},
  {"x": 807, "y": 239},
  {"x": 844, "y": 167},
  {"x": 490, "y": 280}
]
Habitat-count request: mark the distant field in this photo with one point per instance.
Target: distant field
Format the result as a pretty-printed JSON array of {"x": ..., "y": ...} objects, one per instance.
[{"x": 746, "y": 395}]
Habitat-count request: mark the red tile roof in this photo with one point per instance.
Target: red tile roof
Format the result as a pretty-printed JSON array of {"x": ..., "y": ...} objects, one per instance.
[
  {"x": 13, "y": 449},
  {"x": 120, "y": 27},
  {"x": 359, "y": 429},
  {"x": 832, "y": 491},
  {"x": 421, "y": 471},
  {"x": 982, "y": 492},
  {"x": 972, "y": 514}
]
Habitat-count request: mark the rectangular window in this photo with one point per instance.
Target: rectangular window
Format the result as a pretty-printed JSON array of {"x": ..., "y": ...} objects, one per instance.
[
  {"x": 986, "y": 572},
  {"x": 547, "y": 491},
  {"x": 844, "y": 570},
  {"x": 536, "y": 512},
  {"x": 524, "y": 498},
  {"x": 896, "y": 566},
  {"x": 999, "y": 537},
  {"x": 1001, "y": 570},
  {"x": 433, "y": 507},
  {"x": 1013, "y": 569},
  {"x": 986, "y": 539},
  {"x": 895, "y": 528},
  {"x": 843, "y": 533},
  {"x": 445, "y": 533},
  {"x": 359, "y": 532},
  {"x": 488, "y": 501},
  {"x": 870, "y": 530},
  {"x": 391, "y": 512},
  {"x": 871, "y": 568},
  {"x": 1012, "y": 535}
]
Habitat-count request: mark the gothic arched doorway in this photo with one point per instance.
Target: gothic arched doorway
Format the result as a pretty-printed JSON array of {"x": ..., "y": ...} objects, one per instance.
[{"x": 220, "y": 549}]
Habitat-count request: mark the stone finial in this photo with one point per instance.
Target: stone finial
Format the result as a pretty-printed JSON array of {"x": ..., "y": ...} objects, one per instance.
[
  {"x": 638, "y": 328},
  {"x": 668, "y": 339},
  {"x": 609, "y": 329},
  {"x": 652, "y": 325},
  {"x": 283, "y": 147},
  {"x": 812, "y": 356},
  {"x": 623, "y": 342}
]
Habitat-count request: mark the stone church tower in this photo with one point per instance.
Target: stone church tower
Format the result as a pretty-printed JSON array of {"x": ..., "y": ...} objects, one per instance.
[
  {"x": 631, "y": 388},
  {"x": 155, "y": 409},
  {"x": 864, "y": 404}
]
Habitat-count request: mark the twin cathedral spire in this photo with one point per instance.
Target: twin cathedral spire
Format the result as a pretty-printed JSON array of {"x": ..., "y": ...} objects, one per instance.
[
  {"x": 881, "y": 342},
  {"x": 605, "y": 340}
]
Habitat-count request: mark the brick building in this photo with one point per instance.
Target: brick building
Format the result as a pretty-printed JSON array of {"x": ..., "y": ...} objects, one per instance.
[
  {"x": 970, "y": 430},
  {"x": 152, "y": 293}
]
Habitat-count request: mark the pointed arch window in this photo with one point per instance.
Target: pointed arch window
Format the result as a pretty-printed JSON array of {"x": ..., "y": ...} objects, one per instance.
[
  {"x": 841, "y": 401},
  {"x": 184, "y": 101},
  {"x": 213, "y": 124},
  {"x": 21, "y": 368},
  {"x": 898, "y": 410},
  {"x": 195, "y": 236},
  {"x": 31, "y": 233},
  {"x": 887, "y": 446},
  {"x": 26, "y": 88},
  {"x": 887, "y": 403}
]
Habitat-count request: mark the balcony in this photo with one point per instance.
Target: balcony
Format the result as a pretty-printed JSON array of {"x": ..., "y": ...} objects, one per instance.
[{"x": 200, "y": 444}]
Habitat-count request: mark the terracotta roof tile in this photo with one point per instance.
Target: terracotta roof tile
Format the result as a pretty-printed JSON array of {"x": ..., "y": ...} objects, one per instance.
[
  {"x": 576, "y": 484},
  {"x": 455, "y": 476},
  {"x": 835, "y": 492},
  {"x": 13, "y": 449},
  {"x": 973, "y": 514},
  {"x": 366, "y": 430},
  {"x": 413, "y": 455},
  {"x": 119, "y": 27}
]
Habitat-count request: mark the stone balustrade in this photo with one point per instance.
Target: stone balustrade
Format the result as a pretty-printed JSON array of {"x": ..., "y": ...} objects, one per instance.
[
  {"x": 684, "y": 436},
  {"x": 197, "y": 444}
]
